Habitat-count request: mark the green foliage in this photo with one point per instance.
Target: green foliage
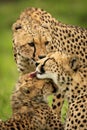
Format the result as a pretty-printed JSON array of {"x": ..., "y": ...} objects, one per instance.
[{"x": 72, "y": 12}]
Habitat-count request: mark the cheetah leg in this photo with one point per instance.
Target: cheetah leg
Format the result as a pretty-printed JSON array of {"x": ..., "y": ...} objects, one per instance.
[{"x": 57, "y": 103}]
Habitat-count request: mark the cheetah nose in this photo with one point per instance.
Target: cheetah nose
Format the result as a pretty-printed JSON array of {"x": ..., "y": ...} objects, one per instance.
[
  {"x": 41, "y": 56},
  {"x": 36, "y": 64}
]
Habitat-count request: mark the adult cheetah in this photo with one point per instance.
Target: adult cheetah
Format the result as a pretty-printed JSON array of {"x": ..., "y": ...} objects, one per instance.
[
  {"x": 37, "y": 33},
  {"x": 71, "y": 78},
  {"x": 30, "y": 107}
]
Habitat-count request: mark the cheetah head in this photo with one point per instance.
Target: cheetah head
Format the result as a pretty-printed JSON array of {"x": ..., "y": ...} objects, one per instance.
[
  {"x": 58, "y": 67},
  {"x": 30, "y": 90},
  {"x": 32, "y": 87},
  {"x": 31, "y": 36}
]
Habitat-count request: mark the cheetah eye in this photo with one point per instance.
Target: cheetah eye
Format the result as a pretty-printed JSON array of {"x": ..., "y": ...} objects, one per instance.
[
  {"x": 27, "y": 91},
  {"x": 31, "y": 44},
  {"x": 41, "y": 56},
  {"x": 46, "y": 43},
  {"x": 18, "y": 27}
]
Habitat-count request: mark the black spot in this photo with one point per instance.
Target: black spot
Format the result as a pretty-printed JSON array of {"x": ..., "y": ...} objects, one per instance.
[
  {"x": 66, "y": 31},
  {"x": 61, "y": 38},
  {"x": 83, "y": 110},
  {"x": 53, "y": 100},
  {"x": 84, "y": 60},
  {"x": 79, "y": 122},
  {"x": 72, "y": 35},
  {"x": 76, "y": 87},
  {"x": 67, "y": 89},
  {"x": 82, "y": 116},
  {"x": 68, "y": 41},
  {"x": 58, "y": 103},
  {"x": 76, "y": 106},
  {"x": 77, "y": 53},
  {"x": 79, "y": 114},
  {"x": 72, "y": 96},
  {"x": 72, "y": 122},
  {"x": 69, "y": 35},
  {"x": 81, "y": 125},
  {"x": 55, "y": 128},
  {"x": 54, "y": 121},
  {"x": 78, "y": 91},
  {"x": 51, "y": 125},
  {"x": 46, "y": 43},
  {"x": 18, "y": 127},
  {"x": 60, "y": 34},
  {"x": 23, "y": 126},
  {"x": 84, "y": 121},
  {"x": 72, "y": 114},
  {"x": 72, "y": 40},
  {"x": 76, "y": 120},
  {"x": 64, "y": 37},
  {"x": 75, "y": 127},
  {"x": 59, "y": 96},
  {"x": 52, "y": 47},
  {"x": 12, "y": 128},
  {"x": 76, "y": 40},
  {"x": 54, "y": 106}
]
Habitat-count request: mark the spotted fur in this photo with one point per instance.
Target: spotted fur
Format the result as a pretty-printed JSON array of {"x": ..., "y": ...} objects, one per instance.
[
  {"x": 71, "y": 78},
  {"x": 30, "y": 107},
  {"x": 36, "y": 33}
]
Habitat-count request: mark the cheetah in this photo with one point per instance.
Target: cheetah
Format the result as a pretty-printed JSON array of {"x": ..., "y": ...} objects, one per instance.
[
  {"x": 71, "y": 78},
  {"x": 36, "y": 33},
  {"x": 30, "y": 106}
]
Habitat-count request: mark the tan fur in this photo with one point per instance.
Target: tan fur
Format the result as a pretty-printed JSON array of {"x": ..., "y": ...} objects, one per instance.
[
  {"x": 47, "y": 35},
  {"x": 30, "y": 107},
  {"x": 71, "y": 78}
]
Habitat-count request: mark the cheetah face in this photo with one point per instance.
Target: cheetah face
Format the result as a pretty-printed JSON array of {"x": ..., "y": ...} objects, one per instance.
[
  {"x": 47, "y": 68},
  {"x": 31, "y": 91},
  {"x": 30, "y": 39},
  {"x": 58, "y": 67},
  {"x": 32, "y": 88}
]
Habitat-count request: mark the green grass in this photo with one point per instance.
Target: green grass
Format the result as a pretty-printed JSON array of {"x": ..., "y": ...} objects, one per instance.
[{"x": 71, "y": 12}]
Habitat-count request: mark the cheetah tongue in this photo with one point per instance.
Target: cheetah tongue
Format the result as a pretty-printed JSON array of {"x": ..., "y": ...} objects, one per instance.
[{"x": 33, "y": 74}]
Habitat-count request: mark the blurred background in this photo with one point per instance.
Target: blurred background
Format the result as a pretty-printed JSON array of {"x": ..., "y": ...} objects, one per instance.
[{"x": 67, "y": 11}]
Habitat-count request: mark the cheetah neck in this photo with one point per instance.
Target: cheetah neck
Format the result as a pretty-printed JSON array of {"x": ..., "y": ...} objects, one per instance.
[
  {"x": 28, "y": 105},
  {"x": 77, "y": 87},
  {"x": 73, "y": 85}
]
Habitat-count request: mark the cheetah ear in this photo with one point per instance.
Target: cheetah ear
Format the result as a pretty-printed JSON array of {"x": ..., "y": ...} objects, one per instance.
[{"x": 74, "y": 63}]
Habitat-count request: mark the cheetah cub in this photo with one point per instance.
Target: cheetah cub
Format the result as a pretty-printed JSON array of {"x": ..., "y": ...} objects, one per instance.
[
  {"x": 71, "y": 78},
  {"x": 30, "y": 107}
]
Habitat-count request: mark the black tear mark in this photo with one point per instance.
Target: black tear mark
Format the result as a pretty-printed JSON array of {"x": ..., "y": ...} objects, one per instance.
[{"x": 34, "y": 51}]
